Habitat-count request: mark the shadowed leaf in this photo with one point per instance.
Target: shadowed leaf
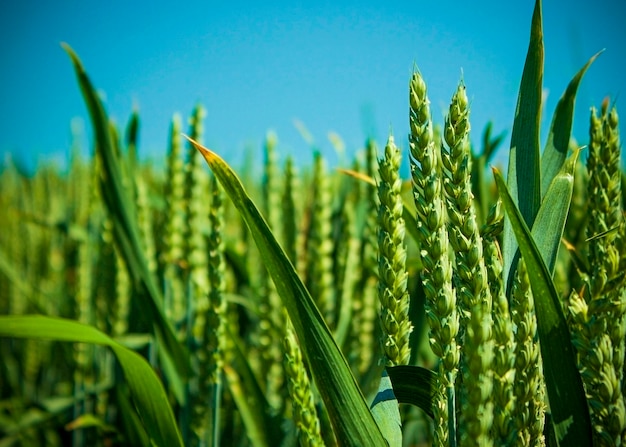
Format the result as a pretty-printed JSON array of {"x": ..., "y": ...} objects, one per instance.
[{"x": 414, "y": 385}]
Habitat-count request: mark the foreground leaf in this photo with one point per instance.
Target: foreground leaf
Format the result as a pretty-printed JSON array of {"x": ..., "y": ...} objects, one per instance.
[
  {"x": 414, "y": 385},
  {"x": 568, "y": 404},
  {"x": 120, "y": 206},
  {"x": 146, "y": 389},
  {"x": 352, "y": 420}
]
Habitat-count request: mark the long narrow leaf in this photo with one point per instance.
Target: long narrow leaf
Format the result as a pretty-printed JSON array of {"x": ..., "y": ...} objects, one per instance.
[
  {"x": 560, "y": 130},
  {"x": 564, "y": 385},
  {"x": 352, "y": 420},
  {"x": 126, "y": 231},
  {"x": 145, "y": 387},
  {"x": 547, "y": 230},
  {"x": 523, "y": 175}
]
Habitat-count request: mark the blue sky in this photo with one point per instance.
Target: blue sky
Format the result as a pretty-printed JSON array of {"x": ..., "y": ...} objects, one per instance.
[{"x": 255, "y": 66}]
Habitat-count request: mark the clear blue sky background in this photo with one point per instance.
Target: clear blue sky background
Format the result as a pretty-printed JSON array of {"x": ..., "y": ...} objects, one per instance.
[{"x": 335, "y": 66}]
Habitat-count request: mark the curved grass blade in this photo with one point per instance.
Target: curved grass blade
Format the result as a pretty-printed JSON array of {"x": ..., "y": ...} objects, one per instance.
[
  {"x": 352, "y": 420},
  {"x": 173, "y": 355},
  {"x": 560, "y": 130},
  {"x": 414, "y": 385},
  {"x": 146, "y": 389},
  {"x": 570, "y": 414},
  {"x": 523, "y": 175}
]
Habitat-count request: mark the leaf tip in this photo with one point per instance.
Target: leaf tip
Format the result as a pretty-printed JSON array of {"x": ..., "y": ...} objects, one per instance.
[
  {"x": 206, "y": 153},
  {"x": 74, "y": 57}
]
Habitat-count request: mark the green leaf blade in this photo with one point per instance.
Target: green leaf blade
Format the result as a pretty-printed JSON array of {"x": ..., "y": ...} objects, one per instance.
[
  {"x": 119, "y": 206},
  {"x": 568, "y": 404},
  {"x": 555, "y": 153},
  {"x": 549, "y": 225},
  {"x": 414, "y": 385},
  {"x": 352, "y": 420},
  {"x": 146, "y": 389},
  {"x": 523, "y": 175}
]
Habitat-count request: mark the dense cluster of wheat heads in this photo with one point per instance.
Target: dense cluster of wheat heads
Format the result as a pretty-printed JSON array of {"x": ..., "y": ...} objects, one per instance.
[{"x": 320, "y": 305}]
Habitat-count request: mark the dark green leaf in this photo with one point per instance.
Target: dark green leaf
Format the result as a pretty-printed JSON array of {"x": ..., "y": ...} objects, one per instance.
[
  {"x": 523, "y": 175},
  {"x": 568, "y": 404},
  {"x": 414, "y": 385}
]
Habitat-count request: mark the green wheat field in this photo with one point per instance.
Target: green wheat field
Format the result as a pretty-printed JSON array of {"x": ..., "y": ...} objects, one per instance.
[{"x": 283, "y": 305}]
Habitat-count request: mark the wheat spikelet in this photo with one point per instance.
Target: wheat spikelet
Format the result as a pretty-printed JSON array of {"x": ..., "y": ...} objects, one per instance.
[
  {"x": 436, "y": 276},
  {"x": 392, "y": 289},
  {"x": 470, "y": 277},
  {"x": 529, "y": 387}
]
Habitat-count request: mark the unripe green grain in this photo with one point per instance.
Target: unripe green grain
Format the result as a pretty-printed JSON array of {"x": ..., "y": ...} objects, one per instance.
[
  {"x": 503, "y": 371},
  {"x": 529, "y": 387},
  {"x": 320, "y": 244},
  {"x": 437, "y": 272},
  {"x": 123, "y": 291},
  {"x": 304, "y": 412},
  {"x": 470, "y": 277},
  {"x": 210, "y": 353},
  {"x": 361, "y": 342},
  {"x": 600, "y": 319},
  {"x": 196, "y": 221},
  {"x": 174, "y": 227},
  {"x": 145, "y": 220},
  {"x": 392, "y": 289},
  {"x": 270, "y": 307},
  {"x": 290, "y": 219}
]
